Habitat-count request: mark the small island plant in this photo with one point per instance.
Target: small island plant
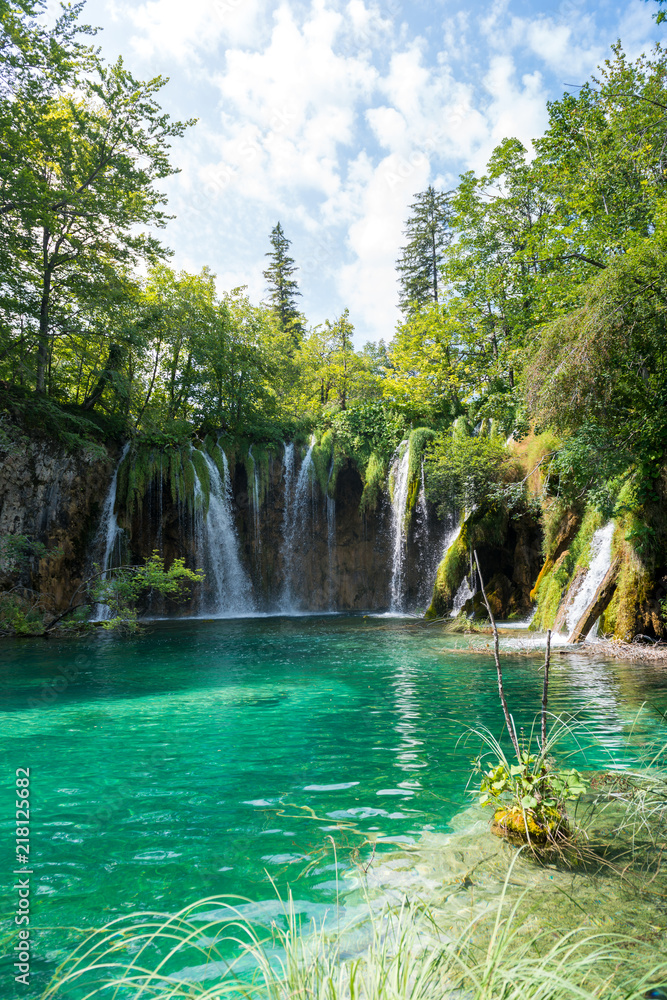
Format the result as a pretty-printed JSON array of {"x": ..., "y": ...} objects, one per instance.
[{"x": 530, "y": 795}]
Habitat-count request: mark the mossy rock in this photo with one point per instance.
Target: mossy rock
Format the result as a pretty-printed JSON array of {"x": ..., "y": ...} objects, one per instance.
[{"x": 522, "y": 826}]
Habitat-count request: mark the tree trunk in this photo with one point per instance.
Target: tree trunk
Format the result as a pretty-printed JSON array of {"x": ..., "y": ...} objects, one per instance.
[
  {"x": 43, "y": 342},
  {"x": 603, "y": 596}
]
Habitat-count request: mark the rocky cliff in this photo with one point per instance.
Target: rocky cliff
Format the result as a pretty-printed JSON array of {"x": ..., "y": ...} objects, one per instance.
[{"x": 54, "y": 497}]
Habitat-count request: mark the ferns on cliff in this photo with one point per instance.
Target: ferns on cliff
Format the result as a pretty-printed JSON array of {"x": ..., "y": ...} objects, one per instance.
[
  {"x": 321, "y": 455},
  {"x": 375, "y": 479},
  {"x": 418, "y": 440},
  {"x": 260, "y": 459}
]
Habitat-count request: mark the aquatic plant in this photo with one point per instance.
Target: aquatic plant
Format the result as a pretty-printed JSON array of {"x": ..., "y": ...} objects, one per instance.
[
  {"x": 407, "y": 957},
  {"x": 531, "y": 793},
  {"x": 529, "y": 796}
]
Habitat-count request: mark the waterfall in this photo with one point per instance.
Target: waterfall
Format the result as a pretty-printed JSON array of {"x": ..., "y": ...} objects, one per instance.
[
  {"x": 110, "y": 534},
  {"x": 600, "y": 561},
  {"x": 255, "y": 487},
  {"x": 217, "y": 548},
  {"x": 109, "y": 530},
  {"x": 463, "y": 594},
  {"x": 331, "y": 533},
  {"x": 399, "y": 485},
  {"x": 294, "y": 516}
]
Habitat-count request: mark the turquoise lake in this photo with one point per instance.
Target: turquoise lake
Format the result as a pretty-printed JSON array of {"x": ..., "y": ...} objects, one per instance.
[{"x": 202, "y": 757}]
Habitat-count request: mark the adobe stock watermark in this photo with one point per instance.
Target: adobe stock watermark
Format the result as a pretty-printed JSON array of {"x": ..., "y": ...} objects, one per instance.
[{"x": 22, "y": 872}]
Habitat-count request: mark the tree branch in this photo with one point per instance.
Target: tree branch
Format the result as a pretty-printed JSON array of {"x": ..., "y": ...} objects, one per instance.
[{"x": 496, "y": 655}]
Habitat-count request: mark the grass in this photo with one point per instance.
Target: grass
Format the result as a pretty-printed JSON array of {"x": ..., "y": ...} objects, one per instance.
[{"x": 403, "y": 955}]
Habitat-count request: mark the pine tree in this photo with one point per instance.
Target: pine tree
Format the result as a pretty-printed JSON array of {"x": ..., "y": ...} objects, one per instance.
[
  {"x": 282, "y": 287},
  {"x": 428, "y": 233}
]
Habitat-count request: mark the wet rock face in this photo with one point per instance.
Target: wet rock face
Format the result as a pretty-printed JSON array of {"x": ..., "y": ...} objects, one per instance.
[
  {"x": 54, "y": 497},
  {"x": 510, "y": 570},
  {"x": 334, "y": 564}
]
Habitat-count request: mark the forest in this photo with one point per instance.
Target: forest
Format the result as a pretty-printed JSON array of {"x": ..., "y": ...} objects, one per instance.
[
  {"x": 311, "y": 607},
  {"x": 532, "y": 301}
]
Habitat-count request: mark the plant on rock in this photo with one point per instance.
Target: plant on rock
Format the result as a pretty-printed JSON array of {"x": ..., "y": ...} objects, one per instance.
[{"x": 531, "y": 794}]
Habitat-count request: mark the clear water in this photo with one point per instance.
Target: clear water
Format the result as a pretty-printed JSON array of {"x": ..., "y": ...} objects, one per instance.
[{"x": 202, "y": 757}]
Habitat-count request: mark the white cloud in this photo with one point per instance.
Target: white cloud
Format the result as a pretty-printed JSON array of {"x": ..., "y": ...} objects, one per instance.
[
  {"x": 188, "y": 31},
  {"x": 331, "y": 114},
  {"x": 368, "y": 285}
]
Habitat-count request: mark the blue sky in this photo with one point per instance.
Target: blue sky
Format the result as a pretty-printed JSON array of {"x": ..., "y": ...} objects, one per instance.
[{"x": 329, "y": 116}]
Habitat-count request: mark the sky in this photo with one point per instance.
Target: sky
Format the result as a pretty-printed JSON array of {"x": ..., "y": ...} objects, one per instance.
[{"x": 330, "y": 116}]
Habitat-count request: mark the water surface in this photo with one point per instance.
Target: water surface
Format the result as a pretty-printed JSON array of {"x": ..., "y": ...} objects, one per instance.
[{"x": 203, "y": 758}]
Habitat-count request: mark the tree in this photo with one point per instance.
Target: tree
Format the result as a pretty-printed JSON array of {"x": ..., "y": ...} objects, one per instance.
[
  {"x": 282, "y": 287},
  {"x": 428, "y": 232},
  {"x": 427, "y": 378},
  {"x": 661, "y": 15},
  {"x": 85, "y": 145}
]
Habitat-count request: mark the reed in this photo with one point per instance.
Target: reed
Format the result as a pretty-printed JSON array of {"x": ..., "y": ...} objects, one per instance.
[{"x": 406, "y": 957}]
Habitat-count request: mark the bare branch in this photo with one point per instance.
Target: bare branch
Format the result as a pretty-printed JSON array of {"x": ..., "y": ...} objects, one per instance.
[{"x": 496, "y": 655}]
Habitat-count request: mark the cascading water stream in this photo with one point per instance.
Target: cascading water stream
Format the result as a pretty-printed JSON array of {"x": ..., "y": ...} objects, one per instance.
[
  {"x": 399, "y": 486},
  {"x": 255, "y": 487},
  {"x": 331, "y": 533},
  {"x": 110, "y": 534},
  {"x": 229, "y": 591},
  {"x": 297, "y": 494},
  {"x": 600, "y": 561}
]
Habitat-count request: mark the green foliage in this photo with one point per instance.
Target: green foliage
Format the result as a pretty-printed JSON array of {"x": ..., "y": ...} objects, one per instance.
[
  {"x": 20, "y": 615},
  {"x": 322, "y": 456},
  {"x": 18, "y": 552},
  {"x": 66, "y": 425},
  {"x": 375, "y": 477},
  {"x": 282, "y": 286},
  {"x": 532, "y": 788},
  {"x": 121, "y": 589},
  {"x": 660, "y": 15},
  {"x": 429, "y": 232},
  {"x": 367, "y": 428},
  {"x": 462, "y": 471}
]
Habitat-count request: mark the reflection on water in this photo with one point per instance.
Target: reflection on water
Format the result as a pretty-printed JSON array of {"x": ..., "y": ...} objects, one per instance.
[{"x": 203, "y": 757}]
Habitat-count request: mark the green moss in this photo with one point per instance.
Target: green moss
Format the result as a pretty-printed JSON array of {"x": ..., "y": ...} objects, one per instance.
[
  {"x": 487, "y": 529},
  {"x": 417, "y": 442},
  {"x": 340, "y": 457},
  {"x": 321, "y": 455},
  {"x": 555, "y": 581},
  {"x": 375, "y": 475},
  {"x": 173, "y": 472},
  {"x": 189, "y": 477},
  {"x": 451, "y": 572},
  {"x": 261, "y": 454},
  {"x": 122, "y": 483},
  {"x": 216, "y": 455},
  {"x": 209, "y": 443}
]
